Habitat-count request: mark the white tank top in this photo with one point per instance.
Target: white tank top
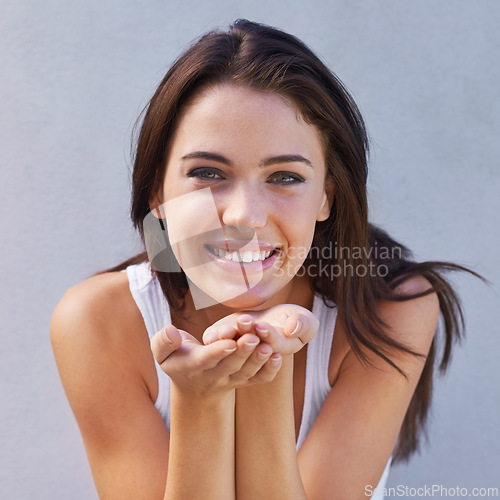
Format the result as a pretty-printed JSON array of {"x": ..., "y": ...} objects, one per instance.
[{"x": 152, "y": 304}]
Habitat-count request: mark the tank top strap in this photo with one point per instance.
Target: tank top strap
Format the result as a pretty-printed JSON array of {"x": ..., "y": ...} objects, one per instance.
[
  {"x": 148, "y": 295},
  {"x": 317, "y": 384}
]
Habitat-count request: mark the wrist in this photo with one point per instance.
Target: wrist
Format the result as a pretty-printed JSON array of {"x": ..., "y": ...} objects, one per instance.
[{"x": 200, "y": 397}]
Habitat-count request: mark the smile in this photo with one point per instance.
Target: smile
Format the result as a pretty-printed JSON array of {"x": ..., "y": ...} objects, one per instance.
[{"x": 246, "y": 256}]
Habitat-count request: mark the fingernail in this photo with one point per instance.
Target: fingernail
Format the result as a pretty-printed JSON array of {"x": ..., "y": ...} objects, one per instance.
[
  {"x": 211, "y": 336},
  {"x": 250, "y": 345},
  {"x": 167, "y": 338},
  {"x": 229, "y": 351},
  {"x": 262, "y": 331},
  {"x": 262, "y": 355},
  {"x": 276, "y": 359},
  {"x": 297, "y": 328},
  {"x": 245, "y": 323}
]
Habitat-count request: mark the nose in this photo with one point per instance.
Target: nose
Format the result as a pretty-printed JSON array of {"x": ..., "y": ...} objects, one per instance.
[{"x": 244, "y": 206}]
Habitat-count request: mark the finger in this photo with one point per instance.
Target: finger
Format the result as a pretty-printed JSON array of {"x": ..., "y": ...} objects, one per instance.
[
  {"x": 245, "y": 323},
  {"x": 254, "y": 363},
  {"x": 279, "y": 343},
  {"x": 165, "y": 342},
  {"x": 209, "y": 356},
  {"x": 269, "y": 334},
  {"x": 293, "y": 324},
  {"x": 192, "y": 356},
  {"x": 262, "y": 330},
  {"x": 268, "y": 372},
  {"x": 301, "y": 326},
  {"x": 219, "y": 332},
  {"x": 245, "y": 347}
]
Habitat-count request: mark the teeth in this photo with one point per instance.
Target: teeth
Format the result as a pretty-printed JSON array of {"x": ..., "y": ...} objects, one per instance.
[{"x": 247, "y": 256}]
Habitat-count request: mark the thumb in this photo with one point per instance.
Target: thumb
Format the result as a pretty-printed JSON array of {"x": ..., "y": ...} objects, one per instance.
[
  {"x": 302, "y": 326},
  {"x": 165, "y": 342}
]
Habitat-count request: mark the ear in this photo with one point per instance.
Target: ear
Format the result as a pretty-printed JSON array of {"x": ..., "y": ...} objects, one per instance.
[{"x": 326, "y": 202}]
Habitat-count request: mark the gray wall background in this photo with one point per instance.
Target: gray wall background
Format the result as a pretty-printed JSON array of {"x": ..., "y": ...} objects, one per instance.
[{"x": 74, "y": 77}]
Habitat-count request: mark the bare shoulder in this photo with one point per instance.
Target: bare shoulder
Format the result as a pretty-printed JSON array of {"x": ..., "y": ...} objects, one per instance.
[
  {"x": 96, "y": 300},
  {"x": 97, "y": 330},
  {"x": 101, "y": 304},
  {"x": 413, "y": 321}
]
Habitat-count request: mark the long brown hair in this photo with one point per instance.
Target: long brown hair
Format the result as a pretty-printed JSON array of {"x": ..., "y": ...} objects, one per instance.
[{"x": 267, "y": 59}]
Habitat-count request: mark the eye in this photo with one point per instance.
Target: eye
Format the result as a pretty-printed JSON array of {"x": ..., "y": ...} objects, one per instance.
[
  {"x": 205, "y": 173},
  {"x": 286, "y": 178}
]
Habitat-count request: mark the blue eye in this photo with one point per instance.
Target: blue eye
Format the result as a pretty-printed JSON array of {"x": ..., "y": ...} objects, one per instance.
[
  {"x": 209, "y": 174},
  {"x": 286, "y": 178}
]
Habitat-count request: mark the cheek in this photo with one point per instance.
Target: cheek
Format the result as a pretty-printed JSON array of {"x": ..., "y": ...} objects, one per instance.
[
  {"x": 191, "y": 214},
  {"x": 298, "y": 228},
  {"x": 299, "y": 234},
  {"x": 297, "y": 211},
  {"x": 299, "y": 214}
]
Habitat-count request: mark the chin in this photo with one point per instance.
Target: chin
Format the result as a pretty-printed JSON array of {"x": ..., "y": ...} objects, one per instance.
[
  {"x": 248, "y": 302},
  {"x": 236, "y": 297}
]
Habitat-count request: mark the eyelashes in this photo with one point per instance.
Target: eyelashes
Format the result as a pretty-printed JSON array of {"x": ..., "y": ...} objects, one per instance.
[
  {"x": 287, "y": 178},
  {"x": 213, "y": 174},
  {"x": 206, "y": 173}
]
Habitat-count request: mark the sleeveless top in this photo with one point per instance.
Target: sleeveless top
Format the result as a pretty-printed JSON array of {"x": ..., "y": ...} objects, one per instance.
[{"x": 148, "y": 296}]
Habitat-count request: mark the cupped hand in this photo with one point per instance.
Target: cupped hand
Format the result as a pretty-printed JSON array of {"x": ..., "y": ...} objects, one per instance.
[
  {"x": 223, "y": 365},
  {"x": 286, "y": 328}
]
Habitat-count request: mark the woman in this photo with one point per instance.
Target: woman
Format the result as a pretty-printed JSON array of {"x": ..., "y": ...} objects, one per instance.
[{"x": 249, "y": 190}]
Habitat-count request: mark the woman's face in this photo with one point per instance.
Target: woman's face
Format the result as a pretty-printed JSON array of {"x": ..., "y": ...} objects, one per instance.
[{"x": 243, "y": 188}]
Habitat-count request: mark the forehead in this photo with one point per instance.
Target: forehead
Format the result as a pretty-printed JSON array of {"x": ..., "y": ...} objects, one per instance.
[
  {"x": 234, "y": 117},
  {"x": 233, "y": 95}
]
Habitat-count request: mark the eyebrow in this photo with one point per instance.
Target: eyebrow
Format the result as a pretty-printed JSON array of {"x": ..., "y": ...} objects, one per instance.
[
  {"x": 205, "y": 155},
  {"x": 272, "y": 160}
]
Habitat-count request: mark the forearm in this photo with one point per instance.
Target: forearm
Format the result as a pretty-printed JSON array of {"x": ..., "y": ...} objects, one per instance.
[
  {"x": 266, "y": 460},
  {"x": 201, "y": 454}
]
